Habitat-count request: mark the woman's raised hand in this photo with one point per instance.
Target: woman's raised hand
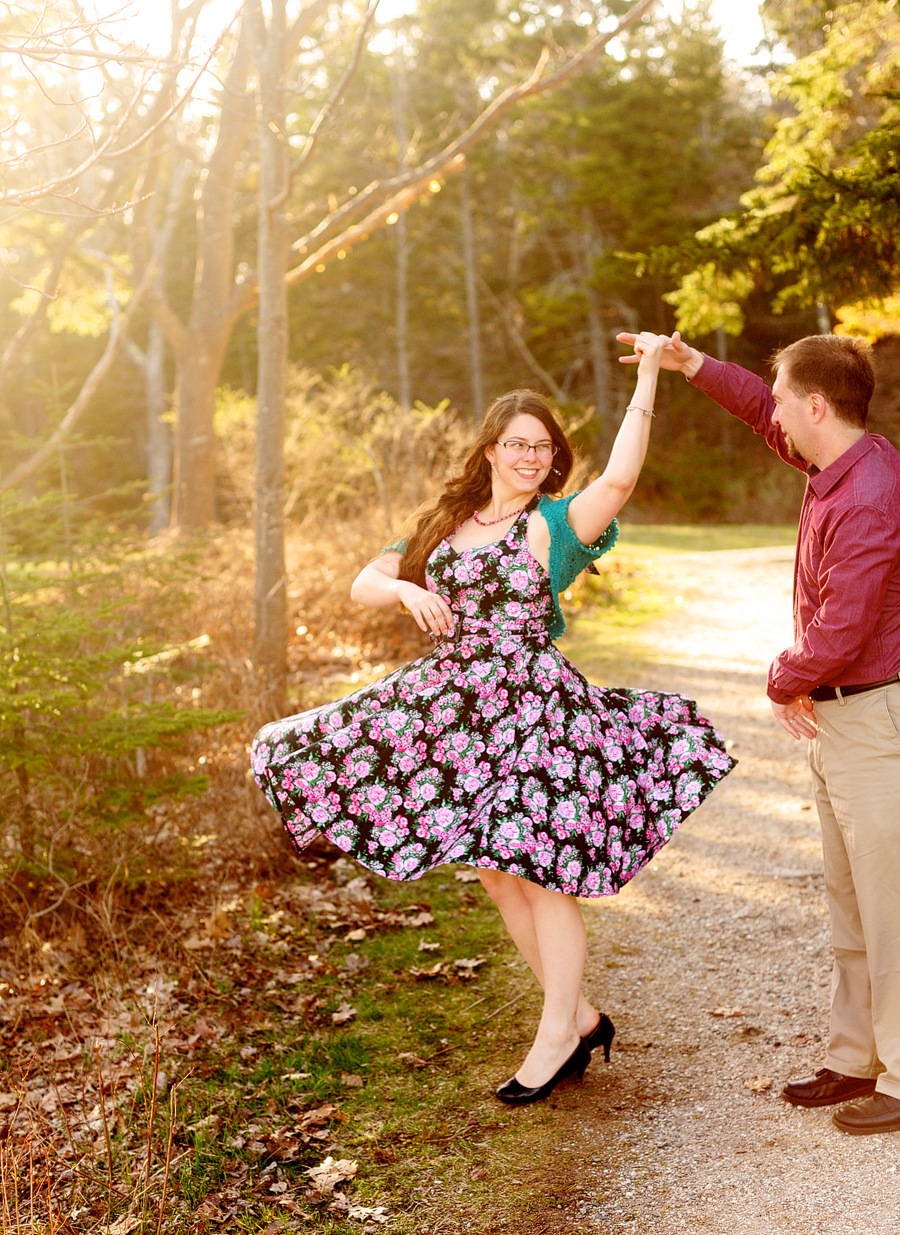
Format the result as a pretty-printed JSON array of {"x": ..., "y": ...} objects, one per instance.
[
  {"x": 675, "y": 354},
  {"x": 648, "y": 350},
  {"x": 431, "y": 612}
]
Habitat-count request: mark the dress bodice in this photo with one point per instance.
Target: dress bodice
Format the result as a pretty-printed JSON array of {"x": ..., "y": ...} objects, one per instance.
[{"x": 497, "y": 591}]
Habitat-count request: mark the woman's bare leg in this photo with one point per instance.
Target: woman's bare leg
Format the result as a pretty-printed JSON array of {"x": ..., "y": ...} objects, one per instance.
[{"x": 508, "y": 892}]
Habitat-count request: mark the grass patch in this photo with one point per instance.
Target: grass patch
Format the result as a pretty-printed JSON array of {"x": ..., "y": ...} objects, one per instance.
[
  {"x": 703, "y": 538},
  {"x": 293, "y": 1029}
]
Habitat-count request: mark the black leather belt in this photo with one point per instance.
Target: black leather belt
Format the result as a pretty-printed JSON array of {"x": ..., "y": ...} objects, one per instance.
[{"x": 823, "y": 693}]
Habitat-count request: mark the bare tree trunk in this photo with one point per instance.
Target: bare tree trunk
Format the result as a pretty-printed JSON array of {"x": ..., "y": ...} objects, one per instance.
[
  {"x": 402, "y": 238},
  {"x": 596, "y": 334},
  {"x": 159, "y": 437},
  {"x": 197, "y": 371},
  {"x": 472, "y": 306},
  {"x": 273, "y": 243}
]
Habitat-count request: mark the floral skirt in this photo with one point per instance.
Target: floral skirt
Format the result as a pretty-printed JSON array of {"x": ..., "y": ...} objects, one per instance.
[{"x": 503, "y": 762}]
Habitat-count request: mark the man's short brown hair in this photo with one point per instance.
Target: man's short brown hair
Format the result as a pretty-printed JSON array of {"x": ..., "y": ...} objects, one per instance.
[{"x": 835, "y": 366}]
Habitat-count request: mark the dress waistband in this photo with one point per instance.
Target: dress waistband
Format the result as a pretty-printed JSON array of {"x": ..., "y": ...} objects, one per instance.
[{"x": 495, "y": 635}]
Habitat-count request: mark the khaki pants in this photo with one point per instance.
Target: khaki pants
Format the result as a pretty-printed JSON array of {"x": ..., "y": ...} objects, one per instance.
[{"x": 855, "y": 761}]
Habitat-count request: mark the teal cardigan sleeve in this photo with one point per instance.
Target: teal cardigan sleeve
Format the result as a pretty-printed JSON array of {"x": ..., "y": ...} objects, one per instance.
[
  {"x": 568, "y": 556},
  {"x": 399, "y": 546}
]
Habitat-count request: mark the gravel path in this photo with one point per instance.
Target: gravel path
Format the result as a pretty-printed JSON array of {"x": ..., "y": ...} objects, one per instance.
[{"x": 730, "y": 920}]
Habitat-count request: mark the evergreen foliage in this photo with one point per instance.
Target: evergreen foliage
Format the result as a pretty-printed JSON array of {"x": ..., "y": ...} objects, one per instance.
[
  {"x": 823, "y": 225},
  {"x": 89, "y": 727}
]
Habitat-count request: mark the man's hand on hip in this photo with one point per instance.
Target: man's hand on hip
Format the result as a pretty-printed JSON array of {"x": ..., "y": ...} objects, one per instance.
[{"x": 797, "y": 718}]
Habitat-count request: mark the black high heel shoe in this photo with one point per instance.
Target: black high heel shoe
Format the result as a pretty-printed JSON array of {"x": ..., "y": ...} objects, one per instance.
[
  {"x": 601, "y": 1035},
  {"x": 515, "y": 1094}
]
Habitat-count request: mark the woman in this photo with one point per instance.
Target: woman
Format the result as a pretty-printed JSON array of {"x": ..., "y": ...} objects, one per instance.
[{"x": 493, "y": 750}]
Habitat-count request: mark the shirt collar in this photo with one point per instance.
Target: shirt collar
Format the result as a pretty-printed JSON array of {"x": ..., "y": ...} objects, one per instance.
[{"x": 823, "y": 482}]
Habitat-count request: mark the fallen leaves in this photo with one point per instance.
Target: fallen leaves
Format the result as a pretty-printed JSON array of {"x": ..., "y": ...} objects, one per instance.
[
  {"x": 420, "y": 919},
  {"x": 759, "y": 1084},
  {"x": 124, "y": 1225},
  {"x": 465, "y": 968},
  {"x": 412, "y": 1060},
  {"x": 423, "y": 975},
  {"x": 466, "y": 876},
  {"x": 331, "y": 1172},
  {"x": 725, "y": 1013},
  {"x": 344, "y": 1014}
]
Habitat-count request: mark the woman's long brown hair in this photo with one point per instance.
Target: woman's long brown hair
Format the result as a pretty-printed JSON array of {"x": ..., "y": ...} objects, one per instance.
[{"x": 469, "y": 488}]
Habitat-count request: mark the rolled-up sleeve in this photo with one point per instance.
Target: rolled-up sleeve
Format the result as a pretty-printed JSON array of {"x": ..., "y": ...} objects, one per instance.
[
  {"x": 860, "y": 555},
  {"x": 746, "y": 396}
]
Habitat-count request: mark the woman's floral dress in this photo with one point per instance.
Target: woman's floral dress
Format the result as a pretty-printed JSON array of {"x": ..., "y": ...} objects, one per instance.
[{"x": 493, "y": 750}]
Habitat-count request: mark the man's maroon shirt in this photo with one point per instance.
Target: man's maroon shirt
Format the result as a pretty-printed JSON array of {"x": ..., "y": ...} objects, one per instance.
[{"x": 847, "y": 568}]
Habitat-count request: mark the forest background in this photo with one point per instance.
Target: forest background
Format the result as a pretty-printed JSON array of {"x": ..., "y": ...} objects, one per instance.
[{"x": 256, "y": 289}]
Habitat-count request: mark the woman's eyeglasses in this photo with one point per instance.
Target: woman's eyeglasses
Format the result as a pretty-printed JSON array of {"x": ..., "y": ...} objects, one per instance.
[{"x": 518, "y": 448}]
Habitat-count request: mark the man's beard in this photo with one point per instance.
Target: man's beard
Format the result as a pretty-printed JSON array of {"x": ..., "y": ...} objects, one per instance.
[{"x": 792, "y": 448}]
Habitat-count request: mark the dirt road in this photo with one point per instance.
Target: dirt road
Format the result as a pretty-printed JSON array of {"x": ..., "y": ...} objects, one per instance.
[{"x": 714, "y": 964}]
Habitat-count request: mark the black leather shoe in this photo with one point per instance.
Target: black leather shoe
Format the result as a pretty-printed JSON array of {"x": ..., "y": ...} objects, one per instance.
[
  {"x": 601, "y": 1035},
  {"x": 878, "y": 1113},
  {"x": 827, "y": 1088},
  {"x": 514, "y": 1094}
]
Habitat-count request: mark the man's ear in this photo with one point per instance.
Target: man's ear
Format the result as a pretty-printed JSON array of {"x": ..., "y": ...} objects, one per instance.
[{"x": 818, "y": 406}]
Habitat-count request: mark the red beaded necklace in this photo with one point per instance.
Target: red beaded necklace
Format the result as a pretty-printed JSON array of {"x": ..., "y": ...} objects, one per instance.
[{"x": 502, "y": 519}]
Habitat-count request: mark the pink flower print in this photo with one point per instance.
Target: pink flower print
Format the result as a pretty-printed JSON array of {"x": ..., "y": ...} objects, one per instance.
[
  {"x": 361, "y": 769},
  {"x": 376, "y": 794},
  {"x": 518, "y": 579},
  {"x": 309, "y": 770},
  {"x": 507, "y": 647}
]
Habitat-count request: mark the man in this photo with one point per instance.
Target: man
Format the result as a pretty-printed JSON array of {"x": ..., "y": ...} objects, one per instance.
[{"x": 838, "y": 685}]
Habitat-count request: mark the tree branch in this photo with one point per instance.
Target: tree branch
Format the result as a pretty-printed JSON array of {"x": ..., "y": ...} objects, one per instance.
[
  {"x": 413, "y": 184},
  {"x": 518, "y": 341},
  {"x": 303, "y": 24},
  {"x": 332, "y": 102}
]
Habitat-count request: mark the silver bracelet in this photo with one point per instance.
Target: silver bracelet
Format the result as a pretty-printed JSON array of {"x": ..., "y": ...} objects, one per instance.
[{"x": 648, "y": 411}]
